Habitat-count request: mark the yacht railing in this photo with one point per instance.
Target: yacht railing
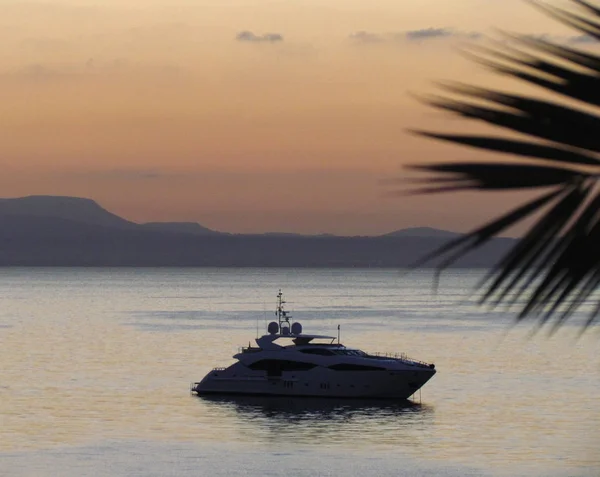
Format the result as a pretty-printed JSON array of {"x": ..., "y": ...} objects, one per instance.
[
  {"x": 249, "y": 349},
  {"x": 399, "y": 356}
]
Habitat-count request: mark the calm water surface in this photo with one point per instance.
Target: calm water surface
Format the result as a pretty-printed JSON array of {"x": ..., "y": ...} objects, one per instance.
[{"x": 96, "y": 365}]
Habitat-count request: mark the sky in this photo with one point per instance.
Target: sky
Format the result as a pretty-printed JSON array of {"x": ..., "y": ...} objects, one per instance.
[{"x": 245, "y": 115}]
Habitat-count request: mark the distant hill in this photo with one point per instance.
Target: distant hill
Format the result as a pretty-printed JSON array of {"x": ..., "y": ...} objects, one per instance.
[
  {"x": 87, "y": 211},
  {"x": 70, "y": 231},
  {"x": 179, "y": 227},
  {"x": 422, "y": 232},
  {"x": 70, "y": 208},
  {"x": 292, "y": 234}
]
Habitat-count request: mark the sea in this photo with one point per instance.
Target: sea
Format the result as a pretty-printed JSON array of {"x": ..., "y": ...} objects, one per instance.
[{"x": 96, "y": 366}]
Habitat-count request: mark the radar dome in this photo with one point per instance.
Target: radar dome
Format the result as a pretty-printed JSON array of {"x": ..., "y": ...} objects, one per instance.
[
  {"x": 273, "y": 327},
  {"x": 296, "y": 329},
  {"x": 285, "y": 330}
]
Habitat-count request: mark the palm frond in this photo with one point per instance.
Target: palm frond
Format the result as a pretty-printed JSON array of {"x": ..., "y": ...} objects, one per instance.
[
  {"x": 539, "y": 246},
  {"x": 522, "y": 148},
  {"x": 468, "y": 175},
  {"x": 555, "y": 266},
  {"x": 540, "y": 119},
  {"x": 476, "y": 238},
  {"x": 570, "y": 55},
  {"x": 578, "y": 22}
]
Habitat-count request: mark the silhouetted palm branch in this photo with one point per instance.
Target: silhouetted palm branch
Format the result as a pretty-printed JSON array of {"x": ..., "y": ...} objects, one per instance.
[{"x": 555, "y": 266}]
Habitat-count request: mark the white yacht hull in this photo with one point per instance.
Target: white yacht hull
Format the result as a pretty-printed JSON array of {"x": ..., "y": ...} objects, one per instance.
[{"x": 397, "y": 384}]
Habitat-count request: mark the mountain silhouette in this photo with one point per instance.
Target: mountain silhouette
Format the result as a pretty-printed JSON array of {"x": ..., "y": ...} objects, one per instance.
[
  {"x": 179, "y": 227},
  {"x": 70, "y": 208},
  {"x": 71, "y": 231},
  {"x": 422, "y": 232}
]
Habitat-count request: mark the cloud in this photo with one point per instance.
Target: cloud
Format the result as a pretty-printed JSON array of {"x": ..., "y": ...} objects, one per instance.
[
  {"x": 122, "y": 174},
  {"x": 90, "y": 68},
  {"x": 414, "y": 36},
  {"x": 564, "y": 39},
  {"x": 39, "y": 72},
  {"x": 253, "y": 38},
  {"x": 427, "y": 33},
  {"x": 366, "y": 37},
  {"x": 437, "y": 34},
  {"x": 582, "y": 39}
]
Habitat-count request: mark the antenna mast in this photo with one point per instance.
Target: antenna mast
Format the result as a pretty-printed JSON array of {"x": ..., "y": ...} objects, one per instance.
[{"x": 282, "y": 315}]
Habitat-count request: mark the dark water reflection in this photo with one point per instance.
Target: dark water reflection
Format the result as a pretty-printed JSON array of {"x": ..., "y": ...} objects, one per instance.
[
  {"x": 347, "y": 422},
  {"x": 278, "y": 407}
]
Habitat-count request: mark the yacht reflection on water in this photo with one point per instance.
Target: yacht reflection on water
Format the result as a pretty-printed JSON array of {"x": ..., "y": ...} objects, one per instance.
[
  {"x": 283, "y": 406},
  {"x": 313, "y": 420}
]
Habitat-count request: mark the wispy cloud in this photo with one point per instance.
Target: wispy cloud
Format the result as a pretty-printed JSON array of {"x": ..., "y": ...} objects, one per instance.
[
  {"x": 583, "y": 39},
  {"x": 125, "y": 174},
  {"x": 428, "y": 33},
  {"x": 251, "y": 37},
  {"x": 564, "y": 39},
  {"x": 413, "y": 36},
  {"x": 133, "y": 175},
  {"x": 366, "y": 37},
  {"x": 38, "y": 72},
  {"x": 438, "y": 34},
  {"x": 47, "y": 72}
]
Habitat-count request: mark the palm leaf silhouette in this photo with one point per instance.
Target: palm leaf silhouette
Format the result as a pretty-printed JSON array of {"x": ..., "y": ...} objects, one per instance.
[{"x": 555, "y": 267}]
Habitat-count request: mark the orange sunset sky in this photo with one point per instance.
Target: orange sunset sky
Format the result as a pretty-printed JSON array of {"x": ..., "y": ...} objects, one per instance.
[{"x": 243, "y": 115}]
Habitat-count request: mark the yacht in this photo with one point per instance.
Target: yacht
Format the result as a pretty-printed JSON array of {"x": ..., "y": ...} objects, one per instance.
[{"x": 288, "y": 362}]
